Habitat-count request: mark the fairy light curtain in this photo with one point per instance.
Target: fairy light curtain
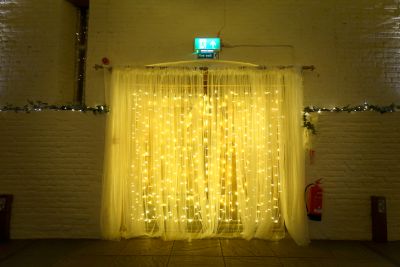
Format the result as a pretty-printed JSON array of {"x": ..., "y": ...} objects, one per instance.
[{"x": 195, "y": 154}]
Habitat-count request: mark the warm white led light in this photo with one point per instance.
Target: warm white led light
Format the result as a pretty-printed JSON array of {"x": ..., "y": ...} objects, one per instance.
[{"x": 202, "y": 151}]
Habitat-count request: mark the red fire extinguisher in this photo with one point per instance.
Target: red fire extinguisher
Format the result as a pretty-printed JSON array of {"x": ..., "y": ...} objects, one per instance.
[{"x": 313, "y": 194}]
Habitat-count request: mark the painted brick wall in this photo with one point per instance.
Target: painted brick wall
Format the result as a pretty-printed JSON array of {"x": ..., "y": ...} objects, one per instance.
[
  {"x": 52, "y": 163},
  {"x": 353, "y": 44},
  {"x": 357, "y": 157},
  {"x": 37, "y": 51}
]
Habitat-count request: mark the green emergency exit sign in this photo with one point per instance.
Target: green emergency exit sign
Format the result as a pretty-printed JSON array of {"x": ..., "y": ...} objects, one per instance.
[
  {"x": 207, "y": 44},
  {"x": 207, "y": 47}
]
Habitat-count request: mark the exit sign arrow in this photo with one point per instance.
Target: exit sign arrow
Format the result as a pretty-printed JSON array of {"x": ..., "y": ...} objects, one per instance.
[{"x": 213, "y": 44}]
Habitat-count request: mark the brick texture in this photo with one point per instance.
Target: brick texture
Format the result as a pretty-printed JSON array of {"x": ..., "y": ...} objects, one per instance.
[
  {"x": 357, "y": 156},
  {"x": 37, "y": 51},
  {"x": 52, "y": 163}
]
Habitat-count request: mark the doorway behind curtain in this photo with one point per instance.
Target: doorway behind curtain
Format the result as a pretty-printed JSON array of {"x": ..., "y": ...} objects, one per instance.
[{"x": 194, "y": 154}]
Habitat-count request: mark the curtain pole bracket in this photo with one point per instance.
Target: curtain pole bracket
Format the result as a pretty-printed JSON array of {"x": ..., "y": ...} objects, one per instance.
[
  {"x": 304, "y": 67},
  {"x": 99, "y": 67}
]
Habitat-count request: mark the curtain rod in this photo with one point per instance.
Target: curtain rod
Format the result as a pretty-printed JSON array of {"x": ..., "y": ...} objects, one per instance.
[{"x": 304, "y": 67}]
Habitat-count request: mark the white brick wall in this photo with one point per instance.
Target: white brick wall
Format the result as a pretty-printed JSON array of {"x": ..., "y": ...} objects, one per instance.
[
  {"x": 357, "y": 156},
  {"x": 353, "y": 44},
  {"x": 52, "y": 163},
  {"x": 37, "y": 51}
]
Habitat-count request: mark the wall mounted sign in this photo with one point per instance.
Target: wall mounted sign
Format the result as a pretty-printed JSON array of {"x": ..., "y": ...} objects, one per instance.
[{"x": 207, "y": 47}]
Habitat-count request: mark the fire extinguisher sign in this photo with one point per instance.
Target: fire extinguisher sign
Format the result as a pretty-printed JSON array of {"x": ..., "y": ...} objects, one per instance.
[{"x": 314, "y": 195}]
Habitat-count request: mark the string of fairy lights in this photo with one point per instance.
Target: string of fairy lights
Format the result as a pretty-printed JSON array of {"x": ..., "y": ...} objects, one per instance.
[
  {"x": 187, "y": 174},
  {"x": 37, "y": 106},
  {"x": 307, "y": 111}
]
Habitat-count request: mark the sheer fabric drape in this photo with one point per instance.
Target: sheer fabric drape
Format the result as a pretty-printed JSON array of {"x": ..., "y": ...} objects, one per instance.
[{"x": 194, "y": 154}]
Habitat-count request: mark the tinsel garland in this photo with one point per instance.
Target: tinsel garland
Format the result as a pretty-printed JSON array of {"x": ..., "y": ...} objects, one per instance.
[
  {"x": 36, "y": 106},
  {"x": 360, "y": 108}
]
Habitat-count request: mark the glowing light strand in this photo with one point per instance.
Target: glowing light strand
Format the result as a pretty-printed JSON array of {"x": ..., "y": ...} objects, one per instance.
[
  {"x": 202, "y": 160},
  {"x": 349, "y": 109},
  {"x": 38, "y": 106}
]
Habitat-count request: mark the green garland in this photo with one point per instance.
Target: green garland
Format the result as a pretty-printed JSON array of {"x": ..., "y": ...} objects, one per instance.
[
  {"x": 36, "y": 106},
  {"x": 360, "y": 108}
]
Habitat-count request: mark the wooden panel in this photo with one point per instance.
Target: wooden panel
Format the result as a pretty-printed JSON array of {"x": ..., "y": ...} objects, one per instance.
[{"x": 379, "y": 223}]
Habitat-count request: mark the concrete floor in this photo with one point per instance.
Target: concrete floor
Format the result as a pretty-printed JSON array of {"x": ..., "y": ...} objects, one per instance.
[{"x": 208, "y": 252}]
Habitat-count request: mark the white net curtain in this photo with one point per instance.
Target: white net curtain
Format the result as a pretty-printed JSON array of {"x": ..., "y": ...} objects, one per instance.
[{"x": 194, "y": 153}]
